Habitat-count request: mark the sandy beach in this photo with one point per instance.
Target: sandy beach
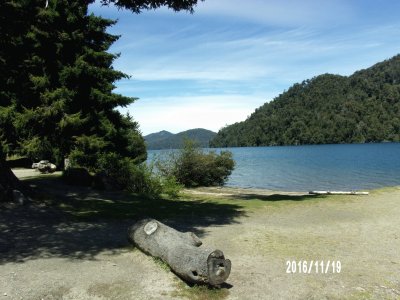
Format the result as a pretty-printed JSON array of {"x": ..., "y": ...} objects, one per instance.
[{"x": 48, "y": 254}]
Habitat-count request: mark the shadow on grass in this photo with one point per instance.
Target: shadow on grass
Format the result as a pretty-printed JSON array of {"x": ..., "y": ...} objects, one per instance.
[{"x": 79, "y": 222}]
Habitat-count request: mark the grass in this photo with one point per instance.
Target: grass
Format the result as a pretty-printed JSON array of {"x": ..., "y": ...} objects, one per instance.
[
  {"x": 88, "y": 203},
  {"x": 159, "y": 262},
  {"x": 200, "y": 292},
  {"x": 136, "y": 206}
]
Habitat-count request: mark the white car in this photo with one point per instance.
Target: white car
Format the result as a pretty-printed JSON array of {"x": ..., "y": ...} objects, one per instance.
[
  {"x": 42, "y": 162},
  {"x": 44, "y": 166}
]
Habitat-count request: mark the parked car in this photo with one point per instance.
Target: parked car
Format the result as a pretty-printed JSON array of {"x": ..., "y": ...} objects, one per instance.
[{"x": 44, "y": 166}]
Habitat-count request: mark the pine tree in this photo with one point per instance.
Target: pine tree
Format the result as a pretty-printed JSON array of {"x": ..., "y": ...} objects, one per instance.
[
  {"x": 67, "y": 104},
  {"x": 57, "y": 81},
  {"x": 14, "y": 24}
]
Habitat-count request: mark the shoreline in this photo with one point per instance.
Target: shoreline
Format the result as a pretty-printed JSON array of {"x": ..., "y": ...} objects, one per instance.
[
  {"x": 233, "y": 191},
  {"x": 230, "y": 191},
  {"x": 23, "y": 173}
]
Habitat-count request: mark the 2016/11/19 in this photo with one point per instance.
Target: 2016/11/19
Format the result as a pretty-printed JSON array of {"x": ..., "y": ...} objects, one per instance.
[{"x": 318, "y": 267}]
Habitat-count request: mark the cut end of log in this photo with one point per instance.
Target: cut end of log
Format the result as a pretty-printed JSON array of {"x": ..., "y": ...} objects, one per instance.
[
  {"x": 150, "y": 227},
  {"x": 219, "y": 268}
]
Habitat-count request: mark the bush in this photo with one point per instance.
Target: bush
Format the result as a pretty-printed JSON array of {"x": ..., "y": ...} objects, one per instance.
[
  {"x": 124, "y": 173},
  {"x": 144, "y": 181},
  {"x": 192, "y": 167},
  {"x": 115, "y": 169},
  {"x": 171, "y": 186}
]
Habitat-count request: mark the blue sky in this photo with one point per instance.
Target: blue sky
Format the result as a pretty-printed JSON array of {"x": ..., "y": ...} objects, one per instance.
[{"x": 216, "y": 66}]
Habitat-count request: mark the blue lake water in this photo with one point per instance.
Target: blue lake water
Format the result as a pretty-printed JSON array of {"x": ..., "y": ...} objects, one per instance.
[{"x": 315, "y": 167}]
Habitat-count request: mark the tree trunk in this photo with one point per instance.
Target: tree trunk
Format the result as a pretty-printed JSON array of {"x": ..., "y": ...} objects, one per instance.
[
  {"x": 181, "y": 251},
  {"x": 11, "y": 188}
]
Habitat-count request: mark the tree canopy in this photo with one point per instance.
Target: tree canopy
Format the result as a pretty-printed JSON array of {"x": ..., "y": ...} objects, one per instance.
[
  {"x": 137, "y": 6},
  {"x": 364, "y": 107},
  {"x": 56, "y": 85},
  {"x": 57, "y": 81},
  {"x": 57, "y": 94}
]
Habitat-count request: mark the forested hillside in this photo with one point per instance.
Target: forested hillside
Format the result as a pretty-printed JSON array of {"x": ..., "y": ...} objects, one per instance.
[
  {"x": 168, "y": 140},
  {"x": 361, "y": 108}
]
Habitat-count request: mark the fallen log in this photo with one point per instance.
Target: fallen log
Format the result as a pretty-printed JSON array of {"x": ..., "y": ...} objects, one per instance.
[
  {"x": 337, "y": 193},
  {"x": 181, "y": 251}
]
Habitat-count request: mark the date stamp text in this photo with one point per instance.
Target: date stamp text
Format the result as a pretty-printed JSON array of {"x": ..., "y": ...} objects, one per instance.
[{"x": 315, "y": 267}]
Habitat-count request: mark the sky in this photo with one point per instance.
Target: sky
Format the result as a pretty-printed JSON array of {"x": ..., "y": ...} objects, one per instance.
[{"x": 215, "y": 67}]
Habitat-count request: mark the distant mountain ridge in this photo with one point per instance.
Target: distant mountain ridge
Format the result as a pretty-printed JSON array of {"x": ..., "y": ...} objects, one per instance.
[
  {"x": 168, "y": 140},
  {"x": 327, "y": 109}
]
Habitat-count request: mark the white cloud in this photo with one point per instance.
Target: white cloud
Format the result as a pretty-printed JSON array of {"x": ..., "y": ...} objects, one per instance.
[
  {"x": 217, "y": 56},
  {"x": 269, "y": 12},
  {"x": 280, "y": 13},
  {"x": 196, "y": 72},
  {"x": 177, "y": 114}
]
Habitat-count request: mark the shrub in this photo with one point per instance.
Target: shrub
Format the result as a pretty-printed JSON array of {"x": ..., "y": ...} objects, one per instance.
[
  {"x": 115, "y": 169},
  {"x": 144, "y": 181},
  {"x": 171, "y": 186},
  {"x": 192, "y": 167},
  {"x": 124, "y": 173}
]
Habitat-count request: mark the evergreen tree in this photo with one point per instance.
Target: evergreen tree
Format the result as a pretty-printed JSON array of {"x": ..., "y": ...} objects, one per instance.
[
  {"x": 56, "y": 83},
  {"x": 66, "y": 103},
  {"x": 14, "y": 25}
]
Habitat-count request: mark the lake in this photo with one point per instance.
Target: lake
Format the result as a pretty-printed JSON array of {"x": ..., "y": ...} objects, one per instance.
[{"x": 315, "y": 167}]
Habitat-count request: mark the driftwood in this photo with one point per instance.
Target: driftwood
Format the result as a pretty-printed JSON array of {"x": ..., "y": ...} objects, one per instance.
[
  {"x": 337, "y": 193},
  {"x": 181, "y": 251}
]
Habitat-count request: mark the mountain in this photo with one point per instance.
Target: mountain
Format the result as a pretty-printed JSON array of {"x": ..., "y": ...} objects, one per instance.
[
  {"x": 168, "y": 140},
  {"x": 327, "y": 109},
  {"x": 158, "y": 137}
]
